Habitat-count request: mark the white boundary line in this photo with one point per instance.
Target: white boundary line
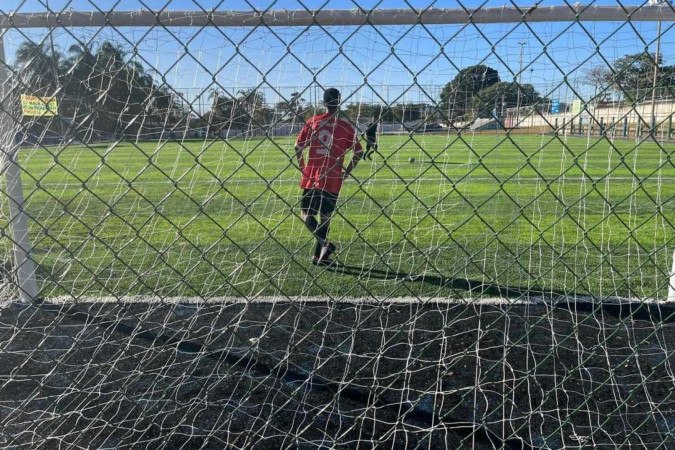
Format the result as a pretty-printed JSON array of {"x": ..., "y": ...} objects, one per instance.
[
  {"x": 528, "y": 300},
  {"x": 467, "y": 180},
  {"x": 671, "y": 285}
]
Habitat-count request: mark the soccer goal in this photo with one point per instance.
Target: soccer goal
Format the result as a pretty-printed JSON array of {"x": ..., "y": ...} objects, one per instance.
[{"x": 497, "y": 271}]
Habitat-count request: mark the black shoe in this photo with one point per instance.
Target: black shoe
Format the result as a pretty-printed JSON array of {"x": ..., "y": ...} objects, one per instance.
[
  {"x": 325, "y": 262},
  {"x": 327, "y": 249}
]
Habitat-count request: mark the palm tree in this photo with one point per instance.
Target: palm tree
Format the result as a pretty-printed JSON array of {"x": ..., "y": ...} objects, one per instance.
[
  {"x": 252, "y": 103},
  {"x": 214, "y": 96},
  {"x": 295, "y": 104},
  {"x": 103, "y": 87},
  {"x": 78, "y": 72},
  {"x": 38, "y": 67}
]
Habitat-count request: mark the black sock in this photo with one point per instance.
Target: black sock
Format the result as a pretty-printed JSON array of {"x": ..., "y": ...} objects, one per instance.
[
  {"x": 311, "y": 223},
  {"x": 321, "y": 236},
  {"x": 322, "y": 231}
]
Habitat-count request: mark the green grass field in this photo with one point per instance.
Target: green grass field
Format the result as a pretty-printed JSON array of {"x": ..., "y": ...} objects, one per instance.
[{"x": 475, "y": 212}]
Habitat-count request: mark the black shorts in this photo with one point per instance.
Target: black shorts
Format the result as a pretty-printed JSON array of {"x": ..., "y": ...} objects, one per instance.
[{"x": 318, "y": 201}]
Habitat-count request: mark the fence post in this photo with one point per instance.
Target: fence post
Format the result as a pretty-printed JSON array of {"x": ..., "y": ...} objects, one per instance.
[
  {"x": 625, "y": 127},
  {"x": 602, "y": 126},
  {"x": 612, "y": 127},
  {"x": 9, "y": 154},
  {"x": 670, "y": 127},
  {"x": 581, "y": 125}
]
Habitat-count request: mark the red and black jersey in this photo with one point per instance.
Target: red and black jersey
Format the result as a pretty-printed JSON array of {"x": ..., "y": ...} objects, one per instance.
[{"x": 329, "y": 139}]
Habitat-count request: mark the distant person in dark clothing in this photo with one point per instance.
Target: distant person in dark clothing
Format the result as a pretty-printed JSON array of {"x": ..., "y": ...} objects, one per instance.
[{"x": 371, "y": 138}]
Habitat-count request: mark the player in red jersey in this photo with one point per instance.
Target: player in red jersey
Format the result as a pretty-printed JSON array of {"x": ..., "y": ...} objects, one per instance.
[{"x": 329, "y": 139}]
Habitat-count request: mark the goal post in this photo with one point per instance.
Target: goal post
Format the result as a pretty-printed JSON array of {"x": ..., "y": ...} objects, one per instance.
[{"x": 24, "y": 264}]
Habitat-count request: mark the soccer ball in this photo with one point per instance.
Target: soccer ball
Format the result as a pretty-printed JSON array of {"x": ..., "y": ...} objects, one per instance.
[{"x": 411, "y": 160}]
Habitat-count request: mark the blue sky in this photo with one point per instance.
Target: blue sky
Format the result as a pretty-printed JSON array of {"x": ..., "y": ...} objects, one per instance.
[{"x": 413, "y": 73}]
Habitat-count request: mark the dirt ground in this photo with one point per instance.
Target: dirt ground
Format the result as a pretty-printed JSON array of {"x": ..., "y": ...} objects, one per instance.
[{"x": 336, "y": 375}]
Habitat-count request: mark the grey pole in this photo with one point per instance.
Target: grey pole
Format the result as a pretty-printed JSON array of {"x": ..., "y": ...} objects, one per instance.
[
  {"x": 519, "y": 81},
  {"x": 656, "y": 73},
  {"x": 25, "y": 267},
  {"x": 325, "y": 17}
]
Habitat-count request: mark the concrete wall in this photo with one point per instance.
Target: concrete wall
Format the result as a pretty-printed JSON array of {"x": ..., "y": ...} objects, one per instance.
[{"x": 608, "y": 114}]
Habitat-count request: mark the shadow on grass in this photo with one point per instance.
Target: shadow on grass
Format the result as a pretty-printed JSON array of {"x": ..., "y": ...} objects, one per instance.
[
  {"x": 574, "y": 301},
  {"x": 475, "y": 287}
]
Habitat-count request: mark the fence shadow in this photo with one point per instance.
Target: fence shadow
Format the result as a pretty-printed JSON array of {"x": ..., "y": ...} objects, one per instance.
[{"x": 574, "y": 301}]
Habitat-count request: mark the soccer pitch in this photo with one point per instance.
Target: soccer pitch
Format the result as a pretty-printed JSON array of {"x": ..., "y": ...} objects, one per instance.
[{"x": 473, "y": 215}]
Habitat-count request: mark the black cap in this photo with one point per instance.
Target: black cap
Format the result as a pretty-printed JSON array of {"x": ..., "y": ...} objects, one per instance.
[{"x": 331, "y": 97}]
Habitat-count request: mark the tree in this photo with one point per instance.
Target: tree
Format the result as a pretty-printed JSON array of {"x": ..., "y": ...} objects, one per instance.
[
  {"x": 505, "y": 95},
  {"x": 295, "y": 103},
  {"x": 215, "y": 113},
  {"x": 77, "y": 70},
  {"x": 597, "y": 77},
  {"x": 252, "y": 110},
  {"x": 633, "y": 75},
  {"x": 354, "y": 111},
  {"x": 293, "y": 108},
  {"x": 100, "y": 87},
  {"x": 38, "y": 67},
  {"x": 458, "y": 95},
  {"x": 225, "y": 112}
]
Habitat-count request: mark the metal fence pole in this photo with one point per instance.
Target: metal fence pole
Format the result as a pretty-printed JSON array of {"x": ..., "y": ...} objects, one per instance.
[
  {"x": 625, "y": 127},
  {"x": 25, "y": 267}
]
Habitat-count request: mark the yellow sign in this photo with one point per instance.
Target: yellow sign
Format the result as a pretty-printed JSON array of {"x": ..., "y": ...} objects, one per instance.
[
  {"x": 38, "y": 106},
  {"x": 576, "y": 107}
]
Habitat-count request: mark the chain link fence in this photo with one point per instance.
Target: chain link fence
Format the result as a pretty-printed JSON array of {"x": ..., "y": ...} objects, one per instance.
[{"x": 504, "y": 260}]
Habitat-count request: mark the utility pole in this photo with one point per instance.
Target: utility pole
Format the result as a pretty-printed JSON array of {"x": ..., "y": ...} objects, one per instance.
[
  {"x": 519, "y": 80},
  {"x": 655, "y": 3},
  {"x": 313, "y": 97},
  {"x": 656, "y": 74}
]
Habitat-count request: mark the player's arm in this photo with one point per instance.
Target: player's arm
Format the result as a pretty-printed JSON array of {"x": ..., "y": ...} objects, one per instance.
[
  {"x": 300, "y": 145},
  {"x": 298, "y": 155},
  {"x": 352, "y": 164},
  {"x": 356, "y": 157}
]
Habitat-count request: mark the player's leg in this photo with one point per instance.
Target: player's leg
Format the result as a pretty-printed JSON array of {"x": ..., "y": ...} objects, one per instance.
[
  {"x": 309, "y": 208},
  {"x": 366, "y": 154},
  {"x": 326, "y": 209}
]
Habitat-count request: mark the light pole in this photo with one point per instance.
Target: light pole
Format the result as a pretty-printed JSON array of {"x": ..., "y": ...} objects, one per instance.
[
  {"x": 656, "y": 64},
  {"x": 519, "y": 80},
  {"x": 313, "y": 97}
]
